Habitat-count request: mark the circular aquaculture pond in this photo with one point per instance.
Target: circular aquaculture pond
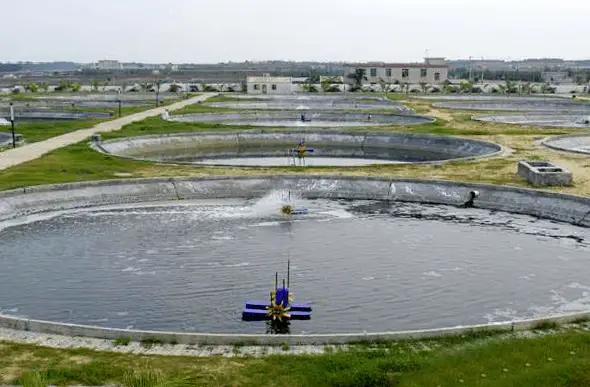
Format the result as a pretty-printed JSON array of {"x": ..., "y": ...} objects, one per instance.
[
  {"x": 497, "y": 98},
  {"x": 576, "y": 121},
  {"x": 518, "y": 104},
  {"x": 362, "y": 265},
  {"x": 46, "y": 115},
  {"x": 314, "y": 103},
  {"x": 307, "y": 119},
  {"x": 5, "y": 138},
  {"x": 280, "y": 148},
  {"x": 578, "y": 143}
]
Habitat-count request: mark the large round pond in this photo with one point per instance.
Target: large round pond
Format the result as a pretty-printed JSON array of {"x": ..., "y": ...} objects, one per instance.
[
  {"x": 290, "y": 102},
  {"x": 526, "y": 104},
  {"x": 362, "y": 265},
  {"x": 281, "y": 148},
  {"x": 571, "y": 143},
  {"x": 57, "y": 115},
  {"x": 5, "y": 138},
  {"x": 576, "y": 121},
  {"x": 307, "y": 119}
]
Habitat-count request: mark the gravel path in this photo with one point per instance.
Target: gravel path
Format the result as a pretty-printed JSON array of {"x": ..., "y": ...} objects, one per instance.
[
  {"x": 32, "y": 151},
  {"x": 67, "y": 342}
]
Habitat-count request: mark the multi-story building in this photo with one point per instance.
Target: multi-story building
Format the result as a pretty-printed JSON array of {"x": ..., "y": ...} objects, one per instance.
[
  {"x": 432, "y": 71},
  {"x": 269, "y": 85},
  {"x": 108, "y": 65}
]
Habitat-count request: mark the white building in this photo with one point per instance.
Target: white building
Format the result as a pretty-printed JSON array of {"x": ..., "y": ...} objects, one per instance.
[
  {"x": 432, "y": 71},
  {"x": 269, "y": 85},
  {"x": 108, "y": 65}
]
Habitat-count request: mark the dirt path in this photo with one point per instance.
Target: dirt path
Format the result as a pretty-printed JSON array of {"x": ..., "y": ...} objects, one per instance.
[{"x": 30, "y": 152}]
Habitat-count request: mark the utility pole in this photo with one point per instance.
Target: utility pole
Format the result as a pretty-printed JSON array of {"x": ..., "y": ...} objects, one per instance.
[
  {"x": 470, "y": 70},
  {"x": 119, "y": 100},
  {"x": 482, "y": 70},
  {"x": 12, "y": 124}
]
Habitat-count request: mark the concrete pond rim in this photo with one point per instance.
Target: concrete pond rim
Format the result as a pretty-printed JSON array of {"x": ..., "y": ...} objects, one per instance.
[
  {"x": 548, "y": 143},
  {"x": 458, "y": 148},
  {"x": 27, "y": 201},
  {"x": 250, "y": 118}
]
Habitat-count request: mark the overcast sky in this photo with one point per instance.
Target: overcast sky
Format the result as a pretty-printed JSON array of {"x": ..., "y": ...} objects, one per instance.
[{"x": 200, "y": 31}]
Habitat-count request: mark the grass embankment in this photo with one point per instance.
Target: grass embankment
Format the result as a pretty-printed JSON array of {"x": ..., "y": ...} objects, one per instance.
[
  {"x": 42, "y": 130},
  {"x": 486, "y": 360},
  {"x": 79, "y": 163}
]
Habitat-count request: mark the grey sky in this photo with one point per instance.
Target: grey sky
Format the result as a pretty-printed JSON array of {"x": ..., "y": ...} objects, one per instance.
[{"x": 222, "y": 30}]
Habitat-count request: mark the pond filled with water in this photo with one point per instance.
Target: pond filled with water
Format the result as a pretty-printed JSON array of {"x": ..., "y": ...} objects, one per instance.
[{"x": 362, "y": 265}]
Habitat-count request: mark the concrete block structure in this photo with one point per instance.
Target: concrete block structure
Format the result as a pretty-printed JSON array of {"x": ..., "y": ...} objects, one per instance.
[
  {"x": 433, "y": 71},
  {"x": 267, "y": 84},
  {"x": 544, "y": 173}
]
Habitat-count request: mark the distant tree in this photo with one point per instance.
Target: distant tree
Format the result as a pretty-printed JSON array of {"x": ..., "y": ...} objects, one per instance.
[
  {"x": 533, "y": 88},
  {"x": 358, "y": 77},
  {"x": 526, "y": 88},
  {"x": 328, "y": 86},
  {"x": 146, "y": 86},
  {"x": 174, "y": 88},
  {"x": 511, "y": 87},
  {"x": 309, "y": 84},
  {"x": 385, "y": 85},
  {"x": 424, "y": 86},
  {"x": 309, "y": 87},
  {"x": 580, "y": 79},
  {"x": 32, "y": 87},
  {"x": 466, "y": 87},
  {"x": 95, "y": 84},
  {"x": 75, "y": 87},
  {"x": 449, "y": 88},
  {"x": 43, "y": 86},
  {"x": 406, "y": 85},
  {"x": 547, "y": 89},
  {"x": 63, "y": 86}
]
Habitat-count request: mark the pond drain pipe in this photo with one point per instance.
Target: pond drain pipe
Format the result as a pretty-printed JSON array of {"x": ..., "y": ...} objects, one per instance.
[{"x": 472, "y": 196}]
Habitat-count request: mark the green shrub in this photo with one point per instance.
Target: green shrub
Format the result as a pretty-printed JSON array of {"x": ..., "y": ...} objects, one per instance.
[{"x": 122, "y": 341}]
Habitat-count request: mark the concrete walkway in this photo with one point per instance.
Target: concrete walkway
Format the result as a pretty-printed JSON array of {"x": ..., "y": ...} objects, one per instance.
[{"x": 32, "y": 151}]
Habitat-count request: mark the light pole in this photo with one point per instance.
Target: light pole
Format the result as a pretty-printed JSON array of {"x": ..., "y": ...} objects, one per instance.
[
  {"x": 157, "y": 93},
  {"x": 119, "y": 101},
  {"x": 12, "y": 124}
]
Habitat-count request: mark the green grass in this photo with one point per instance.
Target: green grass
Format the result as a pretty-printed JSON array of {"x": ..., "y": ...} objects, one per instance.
[
  {"x": 73, "y": 163},
  {"x": 42, "y": 130},
  {"x": 156, "y": 125},
  {"x": 546, "y": 326},
  {"x": 561, "y": 359},
  {"x": 122, "y": 341}
]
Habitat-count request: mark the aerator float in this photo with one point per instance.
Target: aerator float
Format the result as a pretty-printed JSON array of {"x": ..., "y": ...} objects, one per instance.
[
  {"x": 300, "y": 152},
  {"x": 288, "y": 209},
  {"x": 279, "y": 309}
]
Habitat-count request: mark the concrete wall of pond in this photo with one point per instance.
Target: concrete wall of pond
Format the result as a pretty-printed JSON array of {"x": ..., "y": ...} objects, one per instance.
[
  {"x": 63, "y": 329},
  {"x": 350, "y": 144},
  {"x": 35, "y": 200}
]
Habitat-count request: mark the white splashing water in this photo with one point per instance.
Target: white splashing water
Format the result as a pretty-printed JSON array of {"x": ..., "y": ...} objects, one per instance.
[{"x": 272, "y": 202}]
